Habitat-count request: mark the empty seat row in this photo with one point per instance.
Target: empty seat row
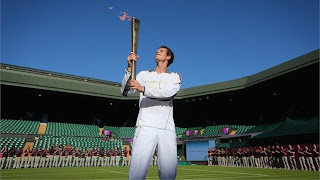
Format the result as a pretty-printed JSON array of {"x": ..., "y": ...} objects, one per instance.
[
  {"x": 60, "y": 129},
  {"x": 81, "y": 142},
  {"x": 10, "y": 142},
  {"x": 19, "y": 126}
]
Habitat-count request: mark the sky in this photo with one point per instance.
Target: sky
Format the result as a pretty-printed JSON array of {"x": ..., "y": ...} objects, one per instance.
[{"x": 212, "y": 40}]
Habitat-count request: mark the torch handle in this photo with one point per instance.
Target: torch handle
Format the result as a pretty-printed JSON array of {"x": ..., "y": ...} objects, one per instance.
[
  {"x": 133, "y": 70},
  {"x": 135, "y": 25}
]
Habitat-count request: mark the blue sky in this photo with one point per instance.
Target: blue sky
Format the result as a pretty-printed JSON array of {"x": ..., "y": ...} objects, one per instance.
[{"x": 213, "y": 40}]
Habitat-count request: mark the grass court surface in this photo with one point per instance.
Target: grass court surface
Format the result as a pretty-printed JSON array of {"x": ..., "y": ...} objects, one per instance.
[{"x": 184, "y": 172}]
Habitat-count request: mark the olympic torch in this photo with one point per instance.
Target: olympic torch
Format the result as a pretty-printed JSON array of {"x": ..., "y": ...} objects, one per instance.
[{"x": 135, "y": 25}]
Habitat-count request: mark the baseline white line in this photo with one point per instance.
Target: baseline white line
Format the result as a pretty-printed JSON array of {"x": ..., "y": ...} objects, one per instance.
[
  {"x": 225, "y": 172},
  {"x": 114, "y": 171},
  {"x": 37, "y": 174}
]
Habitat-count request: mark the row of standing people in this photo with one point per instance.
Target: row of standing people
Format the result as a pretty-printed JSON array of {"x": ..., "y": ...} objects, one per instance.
[
  {"x": 62, "y": 157},
  {"x": 267, "y": 157}
]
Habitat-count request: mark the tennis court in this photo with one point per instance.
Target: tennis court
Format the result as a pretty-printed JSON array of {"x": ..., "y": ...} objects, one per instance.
[{"x": 184, "y": 172}]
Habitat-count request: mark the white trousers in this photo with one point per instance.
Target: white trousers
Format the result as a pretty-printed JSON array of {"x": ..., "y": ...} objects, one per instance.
[
  {"x": 94, "y": 161},
  {"x": 55, "y": 161},
  {"x": 49, "y": 162},
  {"x": 9, "y": 162},
  {"x": 24, "y": 160},
  {"x": 145, "y": 141},
  {"x": 69, "y": 161},
  {"x": 16, "y": 164},
  {"x": 107, "y": 162},
  {"x": 31, "y": 161},
  {"x": 117, "y": 160},
  {"x": 88, "y": 161},
  {"x": 112, "y": 163},
  {"x": 101, "y": 161},
  {"x": 125, "y": 161},
  {"x": 42, "y": 162},
  {"x": 82, "y": 162},
  {"x": 75, "y": 161}
]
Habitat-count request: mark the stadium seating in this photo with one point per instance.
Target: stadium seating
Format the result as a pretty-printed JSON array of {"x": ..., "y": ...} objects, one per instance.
[
  {"x": 194, "y": 128},
  {"x": 180, "y": 130},
  {"x": 18, "y": 126},
  {"x": 213, "y": 131},
  {"x": 61, "y": 129},
  {"x": 113, "y": 129},
  {"x": 9, "y": 142},
  {"x": 126, "y": 132},
  {"x": 263, "y": 128},
  {"x": 81, "y": 142}
]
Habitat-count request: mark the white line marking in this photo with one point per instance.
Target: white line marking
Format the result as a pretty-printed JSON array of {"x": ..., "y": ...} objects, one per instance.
[
  {"x": 114, "y": 171},
  {"x": 225, "y": 172}
]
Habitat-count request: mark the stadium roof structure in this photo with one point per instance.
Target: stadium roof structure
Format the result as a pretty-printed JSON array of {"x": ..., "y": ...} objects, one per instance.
[
  {"x": 46, "y": 80},
  {"x": 292, "y": 127}
]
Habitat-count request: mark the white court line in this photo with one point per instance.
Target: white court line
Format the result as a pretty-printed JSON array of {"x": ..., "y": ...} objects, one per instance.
[
  {"x": 37, "y": 174},
  {"x": 225, "y": 172},
  {"x": 114, "y": 171},
  {"x": 212, "y": 176}
]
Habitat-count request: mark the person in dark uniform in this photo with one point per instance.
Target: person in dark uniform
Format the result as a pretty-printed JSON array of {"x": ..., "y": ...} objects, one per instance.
[
  {"x": 308, "y": 154},
  {"x": 118, "y": 156},
  {"x": 94, "y": 156},
  {"x": 248, "y": 154},
  {"x": 264, "y": 154},
  {"x": 302, "y": 160},
  {"x": 113, "y": 155},
  {"x": 32, "y": 158},
  {"x": 12, "y": 152},
  {"x": 252, "y": 161},
  {"x": 214, "y": 156},
  {"x": 16, "y": 164},
  {"x": 25, "y": 158},
  {"x": 316, "y": 155},
  {"x": 63, "y": 157},
  {"x": 101, "y": 157},
  {"x": 257, "y": 158},
  {"x": 37, "y": 158},
  {"x": 278, "y": 157},
  {"x": 281, "y": 163},
  {"x": 43, "y": 158},
  {"x": 209, "y": 154},
  {"x": 56, "y": 157},
  {"x": 292, "y": 157},
  {"x": 69, "y": 156},
  {"x": 125, "y": 157},
  {"x": 238, "y": 158},
  {"x": 4, "y": 157},
  {"x": 261, "y": 157},
  {"x": 155, "y": 162},
  {"x": 83, "y": 155},
  {"x": 50, "y": 156},
  {"x": 76, "y": 157},
  {"x": 269, "y": 154},
  {"x": 108, "y": 155},
  {"x": 88, "y": 157}
]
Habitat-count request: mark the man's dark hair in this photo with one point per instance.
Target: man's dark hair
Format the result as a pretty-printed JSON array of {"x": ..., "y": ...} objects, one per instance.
[{"x": 169, "y": 53}]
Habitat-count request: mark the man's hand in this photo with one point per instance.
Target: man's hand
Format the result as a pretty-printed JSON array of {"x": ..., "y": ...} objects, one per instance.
[
  {"x": 132, "y": 57},
  {"x": 134, "y": 84}
]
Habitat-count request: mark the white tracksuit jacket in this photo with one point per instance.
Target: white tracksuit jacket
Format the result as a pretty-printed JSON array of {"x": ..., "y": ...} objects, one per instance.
[{"x": 156, "y": 103}]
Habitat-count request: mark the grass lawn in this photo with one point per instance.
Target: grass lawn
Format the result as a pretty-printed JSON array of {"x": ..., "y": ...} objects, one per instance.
[{"x": 184, "y": 172}]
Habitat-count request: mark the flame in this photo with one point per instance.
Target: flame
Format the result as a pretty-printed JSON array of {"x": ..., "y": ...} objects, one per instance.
[{"x": 124, "y": 16}]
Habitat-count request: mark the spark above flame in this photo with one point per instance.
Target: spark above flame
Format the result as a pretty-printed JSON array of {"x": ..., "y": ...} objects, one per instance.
[{"x": 110, "y": 7}]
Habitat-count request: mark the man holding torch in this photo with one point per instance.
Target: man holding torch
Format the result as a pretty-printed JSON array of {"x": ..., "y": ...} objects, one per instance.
[{"x": 155, "y": 126}]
